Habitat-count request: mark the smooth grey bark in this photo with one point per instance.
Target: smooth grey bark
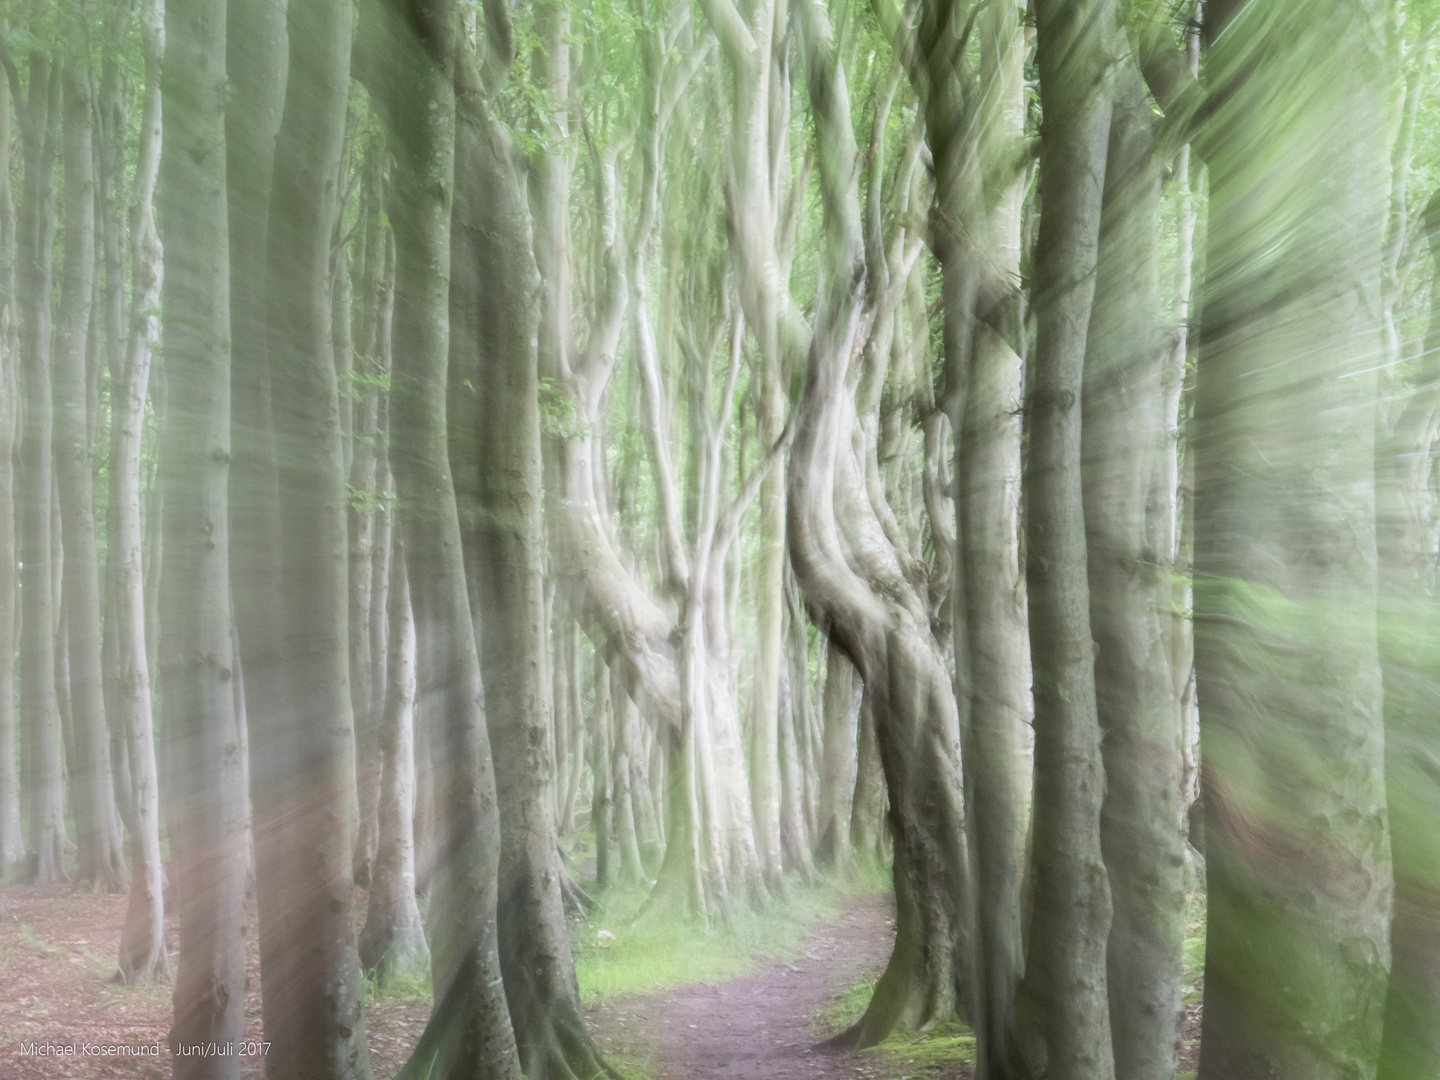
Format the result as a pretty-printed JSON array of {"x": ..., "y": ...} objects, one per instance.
[
  {"x": 498, "y": 324},
  {"x": 416, "y": 64},
  {"x": 868, "y": 804},
  {"x": 1298, "y": 866},
  {"x": 361, "y": 500},
  {"x": 392, "y": 943},
  {"x": 41, "y": 734},
  {"x": 97, "y": 819},
  {"x": 857, "y": 593},
  {"x": 302, "y": 754},
  {"x": 206, "y": 804},
  {"x": 12, "y": 840},
  {"x": 1123, "y": 451},
  {"x": 142, "y": 943},
  {"x": 837, "y": 775},
  {"x": 602, "y": 804},
  {"x": 624, "y": 799},
  {"x": 1066, "y": 974}
]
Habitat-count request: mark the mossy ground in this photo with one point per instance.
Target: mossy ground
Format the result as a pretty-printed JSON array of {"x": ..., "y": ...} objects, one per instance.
[{"x": 615, "y": 954}]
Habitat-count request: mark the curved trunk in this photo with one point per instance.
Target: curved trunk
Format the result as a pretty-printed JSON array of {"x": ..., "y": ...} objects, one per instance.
[{"x": 858, "y": 594}]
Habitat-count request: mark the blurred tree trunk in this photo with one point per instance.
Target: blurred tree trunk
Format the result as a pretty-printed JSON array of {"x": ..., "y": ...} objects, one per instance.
[
  {"x": 41, "y": 737},
  {"x": 142, "y": 945},
  {"x": 1296, "y": 841},
  {"x": 1071, "y": 919},
  {"x": 416, "y": 64},
  {"x": 97, "y": 820},
  {"x": 1409, "y": 649},
  {"x": 366, "y": 684},
  {"x": 1129, "y": 561},
  {"x": 624, "y": 812},
  {"x": 207, "y": 827},
  {"x": 602, "y": 805},
  {"x": 303, "y": 753},
  {"x": 392, "y": 944},
  {"x": 12, "y": 841}
]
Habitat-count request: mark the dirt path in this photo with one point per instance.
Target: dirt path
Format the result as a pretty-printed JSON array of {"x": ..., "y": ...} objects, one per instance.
[{"x": 763, "y": 1026}]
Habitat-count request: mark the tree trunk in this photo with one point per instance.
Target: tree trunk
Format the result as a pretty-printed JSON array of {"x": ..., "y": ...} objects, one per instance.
[
  {"x": 1123, "y": 451},
  {"x": 361, "y": 502},
  {"x": 142, "y": 944},
  {"x": 392, "y": 944},
  {"x": 492, "y": 241},
  {"x": 42, "y": 738},
  {"x": 97, "y": 821},
  {"x": 602, "y": 805},
  {"x": 1298, "y": 868},
  {"x": 412, "y": 59},
  {"x": 868, "y": 803},
  {"x": 1072, "y": 911},
  {"x": 207, "y": 827},
  {"x": 12, "y": 841},
  {"x": 846, "y": 564},
  {"x": 1409, "y": 643},
  {"x": 303, "y": 754},
  {"x": 837, "y": 777}
]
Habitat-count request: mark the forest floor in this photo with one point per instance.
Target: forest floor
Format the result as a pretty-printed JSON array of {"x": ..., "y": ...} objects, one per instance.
[
  {"x": 750, "y": 1003},
  {"x": 766, "y": 1025}
]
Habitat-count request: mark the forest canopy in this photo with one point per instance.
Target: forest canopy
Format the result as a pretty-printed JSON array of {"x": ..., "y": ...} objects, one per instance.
[{"x": 464, "y": 461}]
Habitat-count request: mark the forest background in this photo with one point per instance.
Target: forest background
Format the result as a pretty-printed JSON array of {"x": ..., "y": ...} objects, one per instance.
[{"x": 985, "y": 441}]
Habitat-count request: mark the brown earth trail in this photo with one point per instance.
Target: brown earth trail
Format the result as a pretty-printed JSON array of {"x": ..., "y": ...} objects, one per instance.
[{"x": 764, "y": 1026}]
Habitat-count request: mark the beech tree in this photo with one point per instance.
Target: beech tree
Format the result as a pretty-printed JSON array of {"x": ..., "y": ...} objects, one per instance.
[
  {"x": 206, "y": 808},
  {"x": 770, "y": 442}
]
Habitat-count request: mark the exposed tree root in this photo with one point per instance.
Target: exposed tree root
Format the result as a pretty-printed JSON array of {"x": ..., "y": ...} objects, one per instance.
[
  {"x": 462, "y": 1041},
  {"x": 554, "y": 1045}
]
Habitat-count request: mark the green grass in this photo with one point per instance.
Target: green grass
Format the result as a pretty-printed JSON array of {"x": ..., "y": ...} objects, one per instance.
[
  {"x": 1194, "y": 983},
  {"x": 934, "y": 1048},
  {"x": 848, "y": 1008},
  {"x": 666, "y": 949}
]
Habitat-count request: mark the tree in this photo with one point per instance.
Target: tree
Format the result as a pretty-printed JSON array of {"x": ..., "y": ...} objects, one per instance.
[
  {"x": 303, "y": 752},
  {"x": 39, "y": 705},
  {"x": 142, "y": 945},
  {"x": 1297, "y": 848},
  {"x": 1066, "y": 971},
  {"x": 12, "y": 841},
  {"x": 207, "y": 826},
  {"x": 1129, "y": 514},
  {"x": 413, "y": 60},
  {"x": 97, "y": 820},
  {"x": 392, "y": 943}
]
